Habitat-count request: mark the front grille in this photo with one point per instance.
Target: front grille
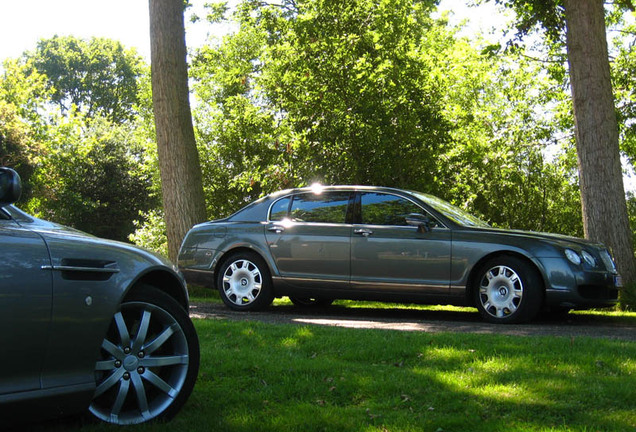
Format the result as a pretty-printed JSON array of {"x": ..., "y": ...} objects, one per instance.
[{"x": 598, "y": 293}]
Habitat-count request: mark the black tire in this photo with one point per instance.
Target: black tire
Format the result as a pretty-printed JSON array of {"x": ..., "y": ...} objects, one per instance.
[
  {"x": 149, "y": 360},
  {"x": 508, "y": 290},
  {"x": 244, "y": 282},
  {"x": 309, "y": 302}
]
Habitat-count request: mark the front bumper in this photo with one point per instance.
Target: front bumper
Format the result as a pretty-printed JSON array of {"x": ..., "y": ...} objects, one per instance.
[{"x": 574, "y": 288}]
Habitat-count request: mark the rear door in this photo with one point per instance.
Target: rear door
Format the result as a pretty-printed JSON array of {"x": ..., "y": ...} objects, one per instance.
[
  {"x": 25, "y": 306},
  {"x": 389, "y": 255},
  {"x": 308, "y": 235}
]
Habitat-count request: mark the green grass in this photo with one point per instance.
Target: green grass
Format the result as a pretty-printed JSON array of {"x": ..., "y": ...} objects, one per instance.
[{"x": 283, "y": 377}]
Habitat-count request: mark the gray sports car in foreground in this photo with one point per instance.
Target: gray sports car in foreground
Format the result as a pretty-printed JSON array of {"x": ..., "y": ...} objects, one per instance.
[
  {"x": 88, "y": 324},
  {"x": 318, "y": 244}
]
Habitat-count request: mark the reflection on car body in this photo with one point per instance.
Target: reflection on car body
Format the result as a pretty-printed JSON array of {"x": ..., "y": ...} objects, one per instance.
[{"x": 318, "y": 244}]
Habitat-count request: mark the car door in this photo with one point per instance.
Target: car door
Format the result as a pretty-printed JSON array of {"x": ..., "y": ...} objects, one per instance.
[
  {"x": 388, "y": 254},
  {"x": 309, "y": 239},
  {"x": 25, "y": 306}
]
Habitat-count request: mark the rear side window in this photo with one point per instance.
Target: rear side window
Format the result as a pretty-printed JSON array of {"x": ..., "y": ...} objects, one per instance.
[
  {"x": 279, "y": 209},
  {"x": 328, "y": 207}
]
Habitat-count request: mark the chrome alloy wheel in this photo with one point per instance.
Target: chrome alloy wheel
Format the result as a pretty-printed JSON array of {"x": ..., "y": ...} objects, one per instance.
[
  {"x": 500, "y": 291},
  {"x": 143, "y": 367},
  {"x": 242, "y": 282}
]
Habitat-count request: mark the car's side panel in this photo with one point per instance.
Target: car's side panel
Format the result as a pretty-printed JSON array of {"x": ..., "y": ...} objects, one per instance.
[{"x": 25, "y": 307}]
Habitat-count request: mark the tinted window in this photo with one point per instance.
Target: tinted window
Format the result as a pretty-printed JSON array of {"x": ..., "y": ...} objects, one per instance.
[
  {"x": 279, "y": 209},
  {"x": 383, "y": 209},
  {"x": 328, "y": 207}
]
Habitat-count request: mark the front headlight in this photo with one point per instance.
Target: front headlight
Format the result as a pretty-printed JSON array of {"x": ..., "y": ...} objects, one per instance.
[
  {"x": 589, "y": 259},
  {"x": 573, "y": 257}
]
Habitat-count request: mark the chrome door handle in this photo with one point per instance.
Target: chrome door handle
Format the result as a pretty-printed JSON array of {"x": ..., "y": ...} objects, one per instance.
[
  {"x": 363, "y": 232},
  {"x": 276, "y": 229}
]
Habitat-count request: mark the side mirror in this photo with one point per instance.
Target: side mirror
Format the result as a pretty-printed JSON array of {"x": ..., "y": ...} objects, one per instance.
[
  {"x": 423, "y": 223},
  {"x": 10, "y": 186}
]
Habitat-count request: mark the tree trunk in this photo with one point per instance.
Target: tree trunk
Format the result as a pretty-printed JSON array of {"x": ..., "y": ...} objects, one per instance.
[
  {"x": 181, "y": 183},
  {"x": 602, "y": 192}
]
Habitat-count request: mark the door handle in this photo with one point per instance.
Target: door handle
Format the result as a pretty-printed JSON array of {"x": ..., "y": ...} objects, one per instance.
[
  {"x": 363, "y": 232},
  {"x": 276, "y": 229}
]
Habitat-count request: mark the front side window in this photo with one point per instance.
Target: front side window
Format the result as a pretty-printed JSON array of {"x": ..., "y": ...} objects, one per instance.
[
  {"x": 386, "y": 209},
  {"x": 327, "y": 207}
]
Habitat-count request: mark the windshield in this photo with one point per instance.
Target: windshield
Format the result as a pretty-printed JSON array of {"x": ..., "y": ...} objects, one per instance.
[{"x": 453, "y": 213}]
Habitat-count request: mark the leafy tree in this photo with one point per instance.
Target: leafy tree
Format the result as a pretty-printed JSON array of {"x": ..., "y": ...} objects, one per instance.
[
  {"x": 183, "y": 200},
  {"x": 98, "y": 76},
  {"x": 84, "y": 171},
  {"x": 90, "y": 177},
  {"x": 16, "y": 148},
  {"x": 360, "y": 92}
]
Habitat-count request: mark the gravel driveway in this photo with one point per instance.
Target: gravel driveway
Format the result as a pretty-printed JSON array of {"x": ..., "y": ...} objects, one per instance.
[{"x": 425, "y": 321}]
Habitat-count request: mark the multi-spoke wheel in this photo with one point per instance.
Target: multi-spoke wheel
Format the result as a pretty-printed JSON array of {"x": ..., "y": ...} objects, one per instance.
[
  {"x": 508, "y": 291},
  {"x": 310, "y": 301},
  {"x": 244, "y": 282},
  {"x": 149, "y": 360}
]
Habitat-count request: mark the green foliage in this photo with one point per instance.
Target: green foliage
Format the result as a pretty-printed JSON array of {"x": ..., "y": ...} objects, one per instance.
[
  {"x": 98, "y": 77},
  {"x": 84, "y": 170},
  {"x": 624, "y": 82},
  {"x": 17, "y": 150},
  {"x": 150, "y": 232},
  {"x": 90, "y": 178}
]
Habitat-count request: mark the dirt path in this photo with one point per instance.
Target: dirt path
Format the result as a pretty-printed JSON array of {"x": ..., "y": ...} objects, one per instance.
[{"x": 425, "y": 321}]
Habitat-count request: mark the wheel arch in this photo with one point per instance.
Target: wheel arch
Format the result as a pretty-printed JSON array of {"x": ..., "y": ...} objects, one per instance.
[
  {"x": 237, "y": 250},
  {"x": 471, "y": 284},
  {"x": 165, "y": 281}
]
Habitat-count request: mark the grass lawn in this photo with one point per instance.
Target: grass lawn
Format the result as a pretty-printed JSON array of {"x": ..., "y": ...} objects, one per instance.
[{"x": 281, "y": 377}]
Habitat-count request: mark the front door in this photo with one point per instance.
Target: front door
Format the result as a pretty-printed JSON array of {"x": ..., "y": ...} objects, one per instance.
[{"x": 389, "y": 255}]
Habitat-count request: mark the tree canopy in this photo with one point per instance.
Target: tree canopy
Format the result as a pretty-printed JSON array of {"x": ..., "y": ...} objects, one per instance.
[{"x": 368, "y": 92}]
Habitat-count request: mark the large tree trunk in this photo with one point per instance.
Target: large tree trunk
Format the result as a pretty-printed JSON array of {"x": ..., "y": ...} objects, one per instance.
[
  {"x": 602, "y": 192},
  {"x": 182, "y": 189}
]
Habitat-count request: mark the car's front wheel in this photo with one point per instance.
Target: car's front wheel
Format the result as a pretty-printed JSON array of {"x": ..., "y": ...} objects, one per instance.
[
  {"x": 244, "y": 282},
  {"x": 508, "y": 290},
  {"x": 149, "y": 360}
]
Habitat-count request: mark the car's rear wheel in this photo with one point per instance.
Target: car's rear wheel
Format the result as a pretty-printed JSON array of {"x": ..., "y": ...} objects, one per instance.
[
  {"x": 149, "y": 360},
  {"x": 244, "y": 282},
  {"x": 310, "y": 301},
  {"x": 508, "y": 291}
]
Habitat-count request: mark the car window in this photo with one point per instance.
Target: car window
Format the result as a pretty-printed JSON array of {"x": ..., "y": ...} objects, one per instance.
[
  {"x": 279, "y": 209},
  {"x": 327, "y": 207},
  {"x": 387, "y": 209}
]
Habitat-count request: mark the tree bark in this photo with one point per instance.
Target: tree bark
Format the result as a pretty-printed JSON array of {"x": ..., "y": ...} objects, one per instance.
[
  {"x": 182, "y": 189},
  {"x": 605, "y": 216}
]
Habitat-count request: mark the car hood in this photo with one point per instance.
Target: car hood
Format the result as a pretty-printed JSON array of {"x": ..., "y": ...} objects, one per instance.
[
  {"x": 54, "y": 231},
  {"x": 556, "y": 239}
]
